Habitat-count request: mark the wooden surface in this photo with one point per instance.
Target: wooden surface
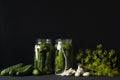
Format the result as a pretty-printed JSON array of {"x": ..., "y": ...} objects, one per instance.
[{"x": 54, "y": 77}]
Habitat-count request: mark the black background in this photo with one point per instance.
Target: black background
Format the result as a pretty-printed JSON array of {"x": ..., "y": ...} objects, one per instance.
[{"x": 22, "y": 22}]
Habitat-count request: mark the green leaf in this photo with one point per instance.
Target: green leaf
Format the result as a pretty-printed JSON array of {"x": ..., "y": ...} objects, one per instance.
[
  {"x": 114, "y": 59},
  {"x": 88, "y": 51},
  {"x": 111, "y": 53},
  {"x": 99, "y": 46}
]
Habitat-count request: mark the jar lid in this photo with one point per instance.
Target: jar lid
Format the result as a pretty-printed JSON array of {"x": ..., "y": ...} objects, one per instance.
[
  {"x": 48, "y": 41},
  {"x": 39, "y": 40},
  {"x": 58, "y": 40}
]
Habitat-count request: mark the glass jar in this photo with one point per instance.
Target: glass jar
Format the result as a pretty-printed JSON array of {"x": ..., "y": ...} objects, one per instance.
[
  {"x": 44, "y": 56},
  {"x": 39, "y": 58},
  {"x": 49, "y": 65},
  {"x": 63, "y": 55}
]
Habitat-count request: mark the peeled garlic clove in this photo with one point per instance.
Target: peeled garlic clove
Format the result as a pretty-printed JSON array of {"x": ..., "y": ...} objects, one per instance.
[
  {"x": 86, "y": 74},
  {"x": 64, "y": 73},
  {"x": 73, "y": 71},
  {"x": 77, "y": 74},
  {"x": 69, "y": 74}
]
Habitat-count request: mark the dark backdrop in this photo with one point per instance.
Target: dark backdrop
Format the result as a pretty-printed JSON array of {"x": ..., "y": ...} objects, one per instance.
[{"x": 21, "y": 23}]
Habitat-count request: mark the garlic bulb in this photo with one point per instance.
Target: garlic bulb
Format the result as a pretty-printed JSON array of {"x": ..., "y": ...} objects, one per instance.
[{"x": 79, "y": 71}]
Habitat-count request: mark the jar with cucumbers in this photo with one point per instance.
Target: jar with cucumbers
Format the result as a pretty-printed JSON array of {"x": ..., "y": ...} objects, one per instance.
[
  {"x": 49, "y": 61},
  {"x": 63, "y": 55},
  {"x": 43, "y": 57},
  {"x": 39, "y": 56}
]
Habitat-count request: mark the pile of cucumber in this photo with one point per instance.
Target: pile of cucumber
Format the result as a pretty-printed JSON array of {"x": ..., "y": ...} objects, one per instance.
[{"x": 17, "y": 70}]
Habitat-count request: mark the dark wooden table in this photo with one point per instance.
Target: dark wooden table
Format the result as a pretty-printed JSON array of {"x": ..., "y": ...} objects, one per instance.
[{"x": 54, "y": 77}]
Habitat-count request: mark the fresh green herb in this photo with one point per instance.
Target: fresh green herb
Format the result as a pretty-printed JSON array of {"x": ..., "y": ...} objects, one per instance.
[{"x": 99, "y": 62}]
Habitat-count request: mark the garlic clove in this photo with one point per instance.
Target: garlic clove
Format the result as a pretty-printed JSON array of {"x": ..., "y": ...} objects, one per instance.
[
  {"x": 73, "y": 71},
  {"x": 69, "y": 74},
  {"x": 77, "y": 74},
  {"x": 64, "y": 73},
  {"x": 80, "y": 70},
  {"x": 86, "y": 73}
]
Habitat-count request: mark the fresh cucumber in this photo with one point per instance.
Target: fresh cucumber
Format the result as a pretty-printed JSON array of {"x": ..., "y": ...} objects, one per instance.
[
  {"x": 24, "y": 70},
  {"x": 12, "y": 72},
  {"x": 36, "y": 72},
  {"x": 6, "y": 70}
]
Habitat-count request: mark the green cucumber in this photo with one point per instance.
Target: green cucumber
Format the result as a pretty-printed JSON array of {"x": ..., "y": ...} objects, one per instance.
[
  {"x": 36, "y": 72},
  {"x": 6, "y": 70},
  {"x": 12, "y": 72},
  {"x": 24, "y": 70}
]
